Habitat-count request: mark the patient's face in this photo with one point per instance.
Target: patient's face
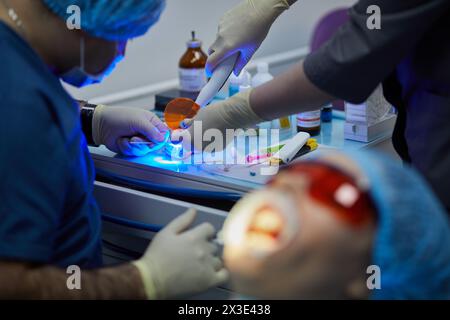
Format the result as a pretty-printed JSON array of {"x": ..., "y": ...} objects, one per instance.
[{"x": 324, "y": 258}]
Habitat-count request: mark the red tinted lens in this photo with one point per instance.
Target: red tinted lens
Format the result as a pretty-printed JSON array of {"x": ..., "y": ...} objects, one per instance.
[{"x": 335, "y": 189}]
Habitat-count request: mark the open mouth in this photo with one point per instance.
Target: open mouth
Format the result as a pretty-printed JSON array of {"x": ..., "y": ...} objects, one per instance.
[
  {"x": 265, "y": 229},
  {"x": 260, "y": 224}
]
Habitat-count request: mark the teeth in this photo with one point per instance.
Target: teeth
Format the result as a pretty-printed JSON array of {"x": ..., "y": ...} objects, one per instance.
[
  {"x": 261, "y": 241},
  {"x": 268, "y": 222}
]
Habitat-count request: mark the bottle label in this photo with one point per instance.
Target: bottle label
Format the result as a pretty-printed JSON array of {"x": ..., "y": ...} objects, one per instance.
[
  {"x": 309, "y": 119},
  {"x": 285, "y": 123},
  {"x": 192, "y": 80}
]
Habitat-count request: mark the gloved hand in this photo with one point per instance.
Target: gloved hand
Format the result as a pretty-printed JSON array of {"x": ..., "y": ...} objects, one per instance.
[
  {"x": 243, "y": 29},
  {"x": 115, "y": 127},
  {"x": 233, "y": 113},
  {"x": 181, "y": 262}
]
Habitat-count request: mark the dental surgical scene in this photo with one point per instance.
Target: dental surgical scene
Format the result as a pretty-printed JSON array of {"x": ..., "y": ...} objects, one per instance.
[{"x": 244, "y": 151}]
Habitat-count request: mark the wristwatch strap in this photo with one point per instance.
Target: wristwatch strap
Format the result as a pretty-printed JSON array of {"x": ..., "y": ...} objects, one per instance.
[{"x": 87, "y": 116}]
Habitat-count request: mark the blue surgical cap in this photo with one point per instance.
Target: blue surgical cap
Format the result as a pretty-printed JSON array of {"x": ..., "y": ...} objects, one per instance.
[
  {"x": 412, "y": 245},
  {"x": 114, "y": 20}
]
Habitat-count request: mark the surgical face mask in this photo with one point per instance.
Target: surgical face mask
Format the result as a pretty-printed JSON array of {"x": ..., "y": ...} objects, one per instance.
[{"x": 79, "y": 77}]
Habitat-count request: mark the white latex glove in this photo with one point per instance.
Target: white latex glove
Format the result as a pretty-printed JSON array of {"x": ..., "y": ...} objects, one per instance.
[
  {"x": 243, "y": 29},
  {"x": 233, "y": 113},
  {"x": 115, "y": 127},
  {"x": 181, "y": 262}
]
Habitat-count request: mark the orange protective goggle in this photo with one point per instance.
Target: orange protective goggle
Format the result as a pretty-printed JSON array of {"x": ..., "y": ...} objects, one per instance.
[{"x": 337, "y": 190}]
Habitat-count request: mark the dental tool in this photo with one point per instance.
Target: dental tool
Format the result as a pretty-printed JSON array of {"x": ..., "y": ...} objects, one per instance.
[
  {"x": 219, "y": 78},
  {"x": 154, "y": 146},
  {"x": 286, "y": 154},
  {"x": 181, "y": 110}
]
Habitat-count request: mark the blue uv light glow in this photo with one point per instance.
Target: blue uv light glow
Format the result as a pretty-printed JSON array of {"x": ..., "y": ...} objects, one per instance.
[
  {"x": 174, "y": 150},
  {"x": 161, "y": 160},
  {"x": 162, "y": 144},
  {"x": 165, "y": 155}
]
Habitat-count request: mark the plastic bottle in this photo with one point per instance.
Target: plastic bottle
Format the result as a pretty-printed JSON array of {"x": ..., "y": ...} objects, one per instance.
[
  {"x": 327, "y": 113},
  {"x": 260, "y": 78},
  {"x": 236, "y": 82},
  {"x": 283, "y": 124},
  {"x": 192, "y": 66},
  {"x": 246, "y": 81}
]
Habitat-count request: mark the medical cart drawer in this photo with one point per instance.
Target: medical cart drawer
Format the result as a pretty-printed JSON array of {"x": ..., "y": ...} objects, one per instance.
[
  {"x": 125, "y": 239},
  {"x": 148, "y": 208}
]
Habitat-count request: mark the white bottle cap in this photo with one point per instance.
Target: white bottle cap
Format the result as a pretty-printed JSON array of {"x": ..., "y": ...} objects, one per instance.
[
  {"x": 238, "y": 80},
  {"x": 263, "y": 75},
  {"x": 263, "y": 67},
  {"x": 246, "y": 81},
  {"x": 194, "y": 43}
]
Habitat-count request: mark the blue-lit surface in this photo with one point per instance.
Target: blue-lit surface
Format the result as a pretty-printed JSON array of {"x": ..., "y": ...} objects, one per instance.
[
  {"x": 332, "y": 136},
  {"x": 160, "y": 160}
]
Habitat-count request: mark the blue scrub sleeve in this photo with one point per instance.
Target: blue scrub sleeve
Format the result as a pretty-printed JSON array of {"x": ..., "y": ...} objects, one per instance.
[{"x": 32, "y": 180}]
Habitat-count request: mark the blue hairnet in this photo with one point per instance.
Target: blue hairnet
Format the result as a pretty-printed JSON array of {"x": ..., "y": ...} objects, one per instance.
[
  {"x": 412, "y": 246},
  {"x": 114, "y": 20}
]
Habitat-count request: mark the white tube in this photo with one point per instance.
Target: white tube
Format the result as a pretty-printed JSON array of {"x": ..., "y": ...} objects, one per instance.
[
  {"x": 217, "y": 81},
  {"x": 292, "y": 147}
]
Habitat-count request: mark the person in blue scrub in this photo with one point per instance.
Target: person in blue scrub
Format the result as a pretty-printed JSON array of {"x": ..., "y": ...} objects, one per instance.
[{"x": 49, "y": 219}]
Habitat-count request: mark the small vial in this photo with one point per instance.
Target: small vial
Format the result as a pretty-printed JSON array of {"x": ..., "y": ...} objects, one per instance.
[
  {"x": 263, "y": 76},
  {"x": 327, "y": 114},
  {"x": 309, "y": 122},
  {"x": 234, "y": 85},
  {"x": 235, "y": 82},
  {"x": 246, "y": 82}
]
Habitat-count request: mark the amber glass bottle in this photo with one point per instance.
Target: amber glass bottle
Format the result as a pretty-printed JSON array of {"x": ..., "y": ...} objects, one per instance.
[
  {"x": 192, "y": 66},
  {"x": 309, "y": 122}
]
